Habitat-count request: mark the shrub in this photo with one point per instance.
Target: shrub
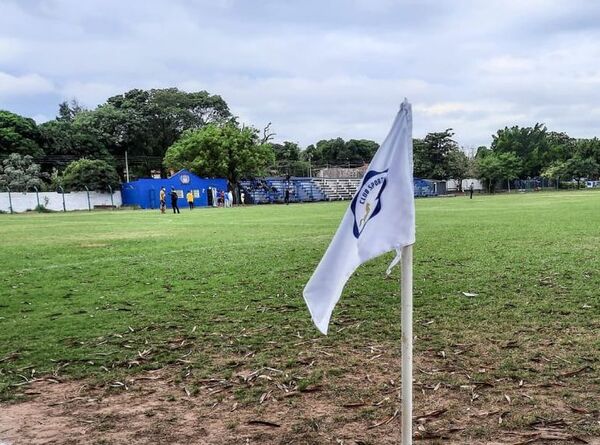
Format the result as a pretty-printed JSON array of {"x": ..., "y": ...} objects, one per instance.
[
  {"x": 94, "y": 174},
  {"x": 42, "y": 209}
]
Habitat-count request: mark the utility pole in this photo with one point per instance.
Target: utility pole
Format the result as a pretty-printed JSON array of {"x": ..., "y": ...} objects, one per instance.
[{"x": 126, "y": 167}]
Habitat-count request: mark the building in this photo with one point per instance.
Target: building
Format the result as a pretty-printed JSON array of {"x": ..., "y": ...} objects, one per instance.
[
  {"x": 342, "y": 172},
  {"x": 145, "y": 192}
]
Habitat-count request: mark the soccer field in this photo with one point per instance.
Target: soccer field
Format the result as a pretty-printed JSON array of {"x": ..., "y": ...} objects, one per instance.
[{"x": 206, "y": 298}]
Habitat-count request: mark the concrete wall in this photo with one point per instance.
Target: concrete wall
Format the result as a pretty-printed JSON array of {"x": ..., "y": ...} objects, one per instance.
[
  {"x": 22, "y": 202},
  {"x": 452, "y": 184},
  {"x": 342, "y": 173}
]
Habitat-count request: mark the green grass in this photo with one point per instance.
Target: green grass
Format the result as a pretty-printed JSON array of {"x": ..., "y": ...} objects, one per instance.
[{"x": 104, "y": 294}]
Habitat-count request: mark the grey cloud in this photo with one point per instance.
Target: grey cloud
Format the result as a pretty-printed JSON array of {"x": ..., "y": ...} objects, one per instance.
[{"x": 317, "y": 69}]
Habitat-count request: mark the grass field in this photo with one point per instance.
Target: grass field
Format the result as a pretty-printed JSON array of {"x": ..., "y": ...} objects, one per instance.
[{"x": 210, "y": 301}]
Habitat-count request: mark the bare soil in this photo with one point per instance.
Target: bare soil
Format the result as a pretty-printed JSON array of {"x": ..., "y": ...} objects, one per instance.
[{"x": 256, "y": 406}]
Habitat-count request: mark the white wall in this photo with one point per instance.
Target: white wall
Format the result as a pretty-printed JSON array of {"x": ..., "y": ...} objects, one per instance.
[
  {"x": 22, "y": 202},
  {"x": 452, "y": 184}
]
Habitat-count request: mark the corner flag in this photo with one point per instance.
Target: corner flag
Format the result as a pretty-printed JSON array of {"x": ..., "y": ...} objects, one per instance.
[{"x": 381, "y": 218}]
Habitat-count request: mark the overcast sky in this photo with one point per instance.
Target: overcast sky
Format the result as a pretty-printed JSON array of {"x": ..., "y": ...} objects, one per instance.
[{"x": 317, "y": 69}]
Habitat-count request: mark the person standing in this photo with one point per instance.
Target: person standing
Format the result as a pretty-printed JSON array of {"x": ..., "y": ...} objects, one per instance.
[
  {"x": 230, "y": 198},
  {"x": 242, "y": 198},
  {"x": 163, "y": 200},
  {"x": 287, "y": 195},
  {"x": 471, "y": 191},
  {"x": 190, "y": 199},
  {"x": 174, "y": 198}
]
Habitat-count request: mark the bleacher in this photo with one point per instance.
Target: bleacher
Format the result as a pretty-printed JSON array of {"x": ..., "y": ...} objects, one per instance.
[
  {"x": 257, "y": 191},
  {"x": 337, "y": 189},
  {"x": 272, "y": 190},
  {"x": 306, "y": 190}
]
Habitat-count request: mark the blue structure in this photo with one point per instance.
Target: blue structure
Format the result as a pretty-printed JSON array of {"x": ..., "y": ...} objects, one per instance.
[
  {"x": 424, "y": 188},
  {"x": 272, "y": 189},
  {"x": 145, "y": 192}
]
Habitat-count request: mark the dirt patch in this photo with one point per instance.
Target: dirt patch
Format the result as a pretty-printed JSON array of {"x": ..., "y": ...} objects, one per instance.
[{"x": 354, "y": 402}]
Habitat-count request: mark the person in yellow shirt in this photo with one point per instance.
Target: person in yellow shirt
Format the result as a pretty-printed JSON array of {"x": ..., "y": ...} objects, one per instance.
[
  {"x": 190, "y": 199},
  {"x": 163, "y": 200}
]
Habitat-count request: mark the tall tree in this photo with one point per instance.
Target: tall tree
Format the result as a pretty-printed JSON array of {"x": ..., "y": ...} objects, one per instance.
[
  {"x": 434, "y": 154},
  {"x": 530, "y": 144},
  {"x": 588, "y": 148},
  {"x": 578, "y": 168},
  {"x": 288, "y": 159},
  {"x": 494, "y": 167},
  {"x": 337, "y": 152},
  {"x": 560, "y": 148},
  {"x": 459, "y": 166},
  {"x": 67, "y": 111},
  {"x": 19, "y": 134},
  {"x": 145, "y": 123},
  {"x": 66, "y": 140},
  {"x": 360, "y": 151},
  {"x": 221, "y": 151}
]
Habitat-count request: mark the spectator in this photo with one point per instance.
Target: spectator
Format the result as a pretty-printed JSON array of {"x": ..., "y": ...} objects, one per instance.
[
  {"x": 163, "y": 200},
  {"x": 229, "y": 198},
  {"x": 174, "y": 199},
  {"x": 190, "y": 199}
]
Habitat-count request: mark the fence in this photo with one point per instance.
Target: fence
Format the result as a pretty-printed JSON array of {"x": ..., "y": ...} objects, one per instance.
[{"x": 17, "y": 202}]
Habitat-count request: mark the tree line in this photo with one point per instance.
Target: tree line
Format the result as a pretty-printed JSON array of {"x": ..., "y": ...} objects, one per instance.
[{"x": 169, "y": 129}]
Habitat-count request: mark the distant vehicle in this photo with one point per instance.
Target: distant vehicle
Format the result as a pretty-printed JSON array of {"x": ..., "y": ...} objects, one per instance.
[{"x": 592, "y": 184}]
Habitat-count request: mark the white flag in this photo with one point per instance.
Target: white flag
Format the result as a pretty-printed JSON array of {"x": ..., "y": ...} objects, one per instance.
[{"x": 380, "y": 218}]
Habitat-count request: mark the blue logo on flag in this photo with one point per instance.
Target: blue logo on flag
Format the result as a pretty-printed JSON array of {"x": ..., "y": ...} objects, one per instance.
[{"x": 366, "y": 203}]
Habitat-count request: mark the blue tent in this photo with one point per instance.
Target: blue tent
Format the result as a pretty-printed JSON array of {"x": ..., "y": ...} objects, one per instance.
[{"x": 145, "y": 192}]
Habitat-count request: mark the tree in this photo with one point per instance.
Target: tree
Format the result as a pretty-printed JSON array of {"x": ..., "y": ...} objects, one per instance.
[
  {"x": 20, "y": 173},
  {"x": 95, "y": 174},
  {"x": 554, "y": 170},
  {"x": 432, "y": 155},
  {"x": 328, "y": 152},
  {"x": 337, "y": 152},
  {"x": 482, "y": 151},
  {"x": 588, "y": 148},
  {"x": 560, "y": 148},
  {"x": 221, "y": 151},
  {"x": 67, "y": 111},
  {"x": 19, "y": 134},
  {"x": 493, "y": 167},
  {"x": 66, "y": 140},
  {"x": 288, "y": 151},
  {"x": 459, "y": 166},
  {"x": 288, "y": 159},
  {"x": 360, "y": 151},
  {"x": 578, "y": 167},
  {"x": 146, "y": 123},
  {"x": 530, "y": 144}
]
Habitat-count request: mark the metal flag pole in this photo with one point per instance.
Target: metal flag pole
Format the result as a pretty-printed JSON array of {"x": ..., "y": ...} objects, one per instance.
[{"x": 407, "y": 341}]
